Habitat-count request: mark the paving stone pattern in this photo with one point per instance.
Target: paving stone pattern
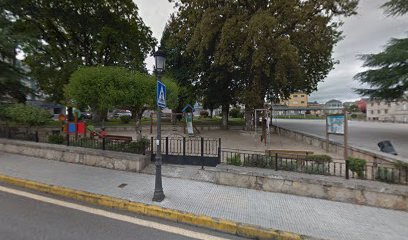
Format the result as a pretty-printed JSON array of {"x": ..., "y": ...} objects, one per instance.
[{"x": 308, "y": 216}]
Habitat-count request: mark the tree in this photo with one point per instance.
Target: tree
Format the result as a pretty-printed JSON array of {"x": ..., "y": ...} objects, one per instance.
[
  {"x": 388, "y": 73},
  {"x": 388, "y": 76},
  {"x": 11, "y": 73},
  {"x": 395, "y": 7},
  {"x": 72, "y": 33},
  {"x": 105, "y": 88},
  {"x": 249, "y": 50}
]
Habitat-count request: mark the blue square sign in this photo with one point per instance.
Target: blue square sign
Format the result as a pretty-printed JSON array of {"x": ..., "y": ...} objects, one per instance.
[{"x": 161, "y": 95}]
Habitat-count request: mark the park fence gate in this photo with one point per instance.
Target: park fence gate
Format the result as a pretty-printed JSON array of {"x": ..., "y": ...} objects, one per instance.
[{"x": 188, "y": 150}]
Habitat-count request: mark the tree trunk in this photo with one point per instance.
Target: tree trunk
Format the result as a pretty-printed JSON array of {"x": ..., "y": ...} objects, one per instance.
[
  {"x": 138, "y": 123},
  {"x": 249, "y": 122},
  {"x": 211, "y": 112},
  {"x": 225, "y": 110}
]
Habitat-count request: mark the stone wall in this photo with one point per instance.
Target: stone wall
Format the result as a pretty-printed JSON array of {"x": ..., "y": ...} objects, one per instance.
[
  {"x": 86, "y": 156},
  {"x": 355, "y": 191},
  {"x": 334, "y": 147}
]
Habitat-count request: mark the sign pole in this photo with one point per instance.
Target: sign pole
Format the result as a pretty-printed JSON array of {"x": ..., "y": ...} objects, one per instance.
[
  {"x": 346, "y": 144},
  {"x": 327, "y": 134}
]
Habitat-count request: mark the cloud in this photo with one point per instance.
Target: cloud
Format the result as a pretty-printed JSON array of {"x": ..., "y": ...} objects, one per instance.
[{"x": 367, "y": 32}]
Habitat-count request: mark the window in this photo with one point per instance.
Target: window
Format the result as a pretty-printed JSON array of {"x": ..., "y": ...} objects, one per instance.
[
  {"x": 378, "y": 111},
  {"x": 302, "y": 95},
  {"x": 389, "y": 104},
  {"x": 385, "y": 111},
  {"x": 294, "y": 95},
  {"x": 372, "y": 111},
  {"x": 372, "y": 104},
  {"x": 302, "y": 101}
]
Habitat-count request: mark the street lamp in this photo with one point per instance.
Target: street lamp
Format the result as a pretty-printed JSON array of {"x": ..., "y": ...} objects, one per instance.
[{"x": 160, "y": 63}]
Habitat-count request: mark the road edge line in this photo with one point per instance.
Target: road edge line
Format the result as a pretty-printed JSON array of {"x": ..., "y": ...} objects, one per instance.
[{"x": 222, "y": 225}]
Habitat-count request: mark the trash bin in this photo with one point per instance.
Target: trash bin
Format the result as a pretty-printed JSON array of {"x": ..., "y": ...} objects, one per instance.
[{"x": 386, "y": 146}]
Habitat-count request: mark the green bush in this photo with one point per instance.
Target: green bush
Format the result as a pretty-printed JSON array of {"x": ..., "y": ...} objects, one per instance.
[
  {"x": 256, "y": 160},
  {"x": 125, "y": 119},
  {"x": 357, "y": 165},
  {"x": 321, "y": 169},
  {"x": 27, "y": 115},
  {"x": 132, "y": 147},
  {"x": 234, "y": 160},
  {"x": 319, "y": 158},
  {"x": 384, "y": 174},
  {"x": 56, "y": 139},
  {"x": 236, "y": 113}
]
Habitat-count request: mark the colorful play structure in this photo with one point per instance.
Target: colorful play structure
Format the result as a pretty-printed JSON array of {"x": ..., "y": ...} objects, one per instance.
[{"x": 78, "y": 128}]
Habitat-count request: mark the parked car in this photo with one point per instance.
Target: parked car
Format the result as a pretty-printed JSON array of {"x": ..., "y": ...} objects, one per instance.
[
  {"x": 86, "y": 115},
  {"x": 118, "y": 113}
]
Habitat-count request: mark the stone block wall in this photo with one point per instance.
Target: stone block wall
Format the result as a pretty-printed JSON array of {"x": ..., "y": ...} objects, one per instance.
[{"x": 86, "y": 156}]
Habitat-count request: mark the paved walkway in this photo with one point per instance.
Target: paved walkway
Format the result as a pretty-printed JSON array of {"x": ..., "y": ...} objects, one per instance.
[{"x": 313, "y": 217}]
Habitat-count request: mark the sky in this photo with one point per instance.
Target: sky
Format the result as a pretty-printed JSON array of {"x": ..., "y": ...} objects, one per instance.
[{"x": 367, "y": 32}]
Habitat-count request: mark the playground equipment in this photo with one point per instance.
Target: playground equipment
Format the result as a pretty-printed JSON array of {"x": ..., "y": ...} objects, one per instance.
[
  {"x": 73, "y": 127},
  {"x": 185, "y": 118},
  {"x": 188, "y": 111}
]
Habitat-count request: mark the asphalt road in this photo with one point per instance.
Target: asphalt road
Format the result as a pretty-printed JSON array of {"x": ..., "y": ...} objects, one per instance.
[
  {"x": 361, "y": 134},
  {"x": 27, "y": 218}
]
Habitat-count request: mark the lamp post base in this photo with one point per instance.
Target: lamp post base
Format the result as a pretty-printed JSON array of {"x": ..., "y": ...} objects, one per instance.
[{"x": 158, "y": 196}]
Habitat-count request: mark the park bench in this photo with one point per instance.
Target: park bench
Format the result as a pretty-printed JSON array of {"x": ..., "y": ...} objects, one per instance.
[
  {"x": 287, "y": 153},
  {"x": 126, "y": 139}
]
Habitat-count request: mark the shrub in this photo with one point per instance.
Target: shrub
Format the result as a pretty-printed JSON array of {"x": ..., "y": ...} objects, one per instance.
[
  {"x": 236, "y": 113},
  {"x": 125, "y": 119},
  {"x": 27, "y": 115},
  {"x": 56, "y": 139},
  {"x": 132, "y": 147},
  {"x": 256, "y": 160},
  {"x": 234, "y": 160},
  {"x": 319, "y": 158},
  {"x": 384, "y": 174},
  {"x": 321, "y": 169},
  {"x": 357, "y": 166}
]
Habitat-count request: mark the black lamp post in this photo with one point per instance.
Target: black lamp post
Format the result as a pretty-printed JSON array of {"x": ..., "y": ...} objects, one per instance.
[{"x": 160, "y": 63}]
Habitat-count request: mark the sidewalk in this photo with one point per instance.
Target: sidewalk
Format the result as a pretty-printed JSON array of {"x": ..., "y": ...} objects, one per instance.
[{"x": 306, "y": 216}]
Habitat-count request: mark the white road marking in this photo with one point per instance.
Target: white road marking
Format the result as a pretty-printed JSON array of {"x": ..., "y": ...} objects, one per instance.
[{"x": 123, "y": 218}]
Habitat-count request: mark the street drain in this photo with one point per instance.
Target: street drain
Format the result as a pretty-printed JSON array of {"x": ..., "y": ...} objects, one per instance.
[{"x": 122, "y": 185}]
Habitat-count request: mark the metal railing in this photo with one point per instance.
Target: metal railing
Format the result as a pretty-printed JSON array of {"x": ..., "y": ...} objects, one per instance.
[
  {"x": 188, "y": 146},
  {"x": 384, "y": 172}
]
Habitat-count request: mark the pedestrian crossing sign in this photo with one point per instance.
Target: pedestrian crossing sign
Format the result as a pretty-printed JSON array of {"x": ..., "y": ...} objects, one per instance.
[{"x": 161, "y": 95}]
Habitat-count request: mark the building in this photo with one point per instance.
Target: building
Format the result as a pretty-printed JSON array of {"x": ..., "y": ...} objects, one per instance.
[
  {"x": 362, "y": 105},
  {"x": 388, "y": 111},
  {"x": 333, "y": 107},
  {"x": 298, "y": 99}
]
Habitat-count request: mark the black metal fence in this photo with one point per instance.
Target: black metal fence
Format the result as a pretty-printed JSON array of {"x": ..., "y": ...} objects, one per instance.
[
  {"x": 385, "y": 172},
  {"x": 188, "y": 150},
  {"x": 17, "y": 133},
  {"x": 137, "y": 147}
]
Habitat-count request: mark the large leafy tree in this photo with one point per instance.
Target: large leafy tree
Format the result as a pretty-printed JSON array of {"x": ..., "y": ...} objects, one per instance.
[
  {"x": 387, "y": 76},
  {"x": 249, "y": 50},
  {"x": 72, "y": 33},
  {"x": 11, "y": 73},
  {"x": 105, "y": 88}
]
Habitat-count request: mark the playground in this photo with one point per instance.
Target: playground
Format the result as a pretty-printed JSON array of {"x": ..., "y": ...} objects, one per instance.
[{"x": 238, "y": 140}]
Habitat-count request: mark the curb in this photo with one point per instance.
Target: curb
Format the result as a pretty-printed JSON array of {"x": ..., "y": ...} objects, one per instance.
[{"x": 226, "y": 226}]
